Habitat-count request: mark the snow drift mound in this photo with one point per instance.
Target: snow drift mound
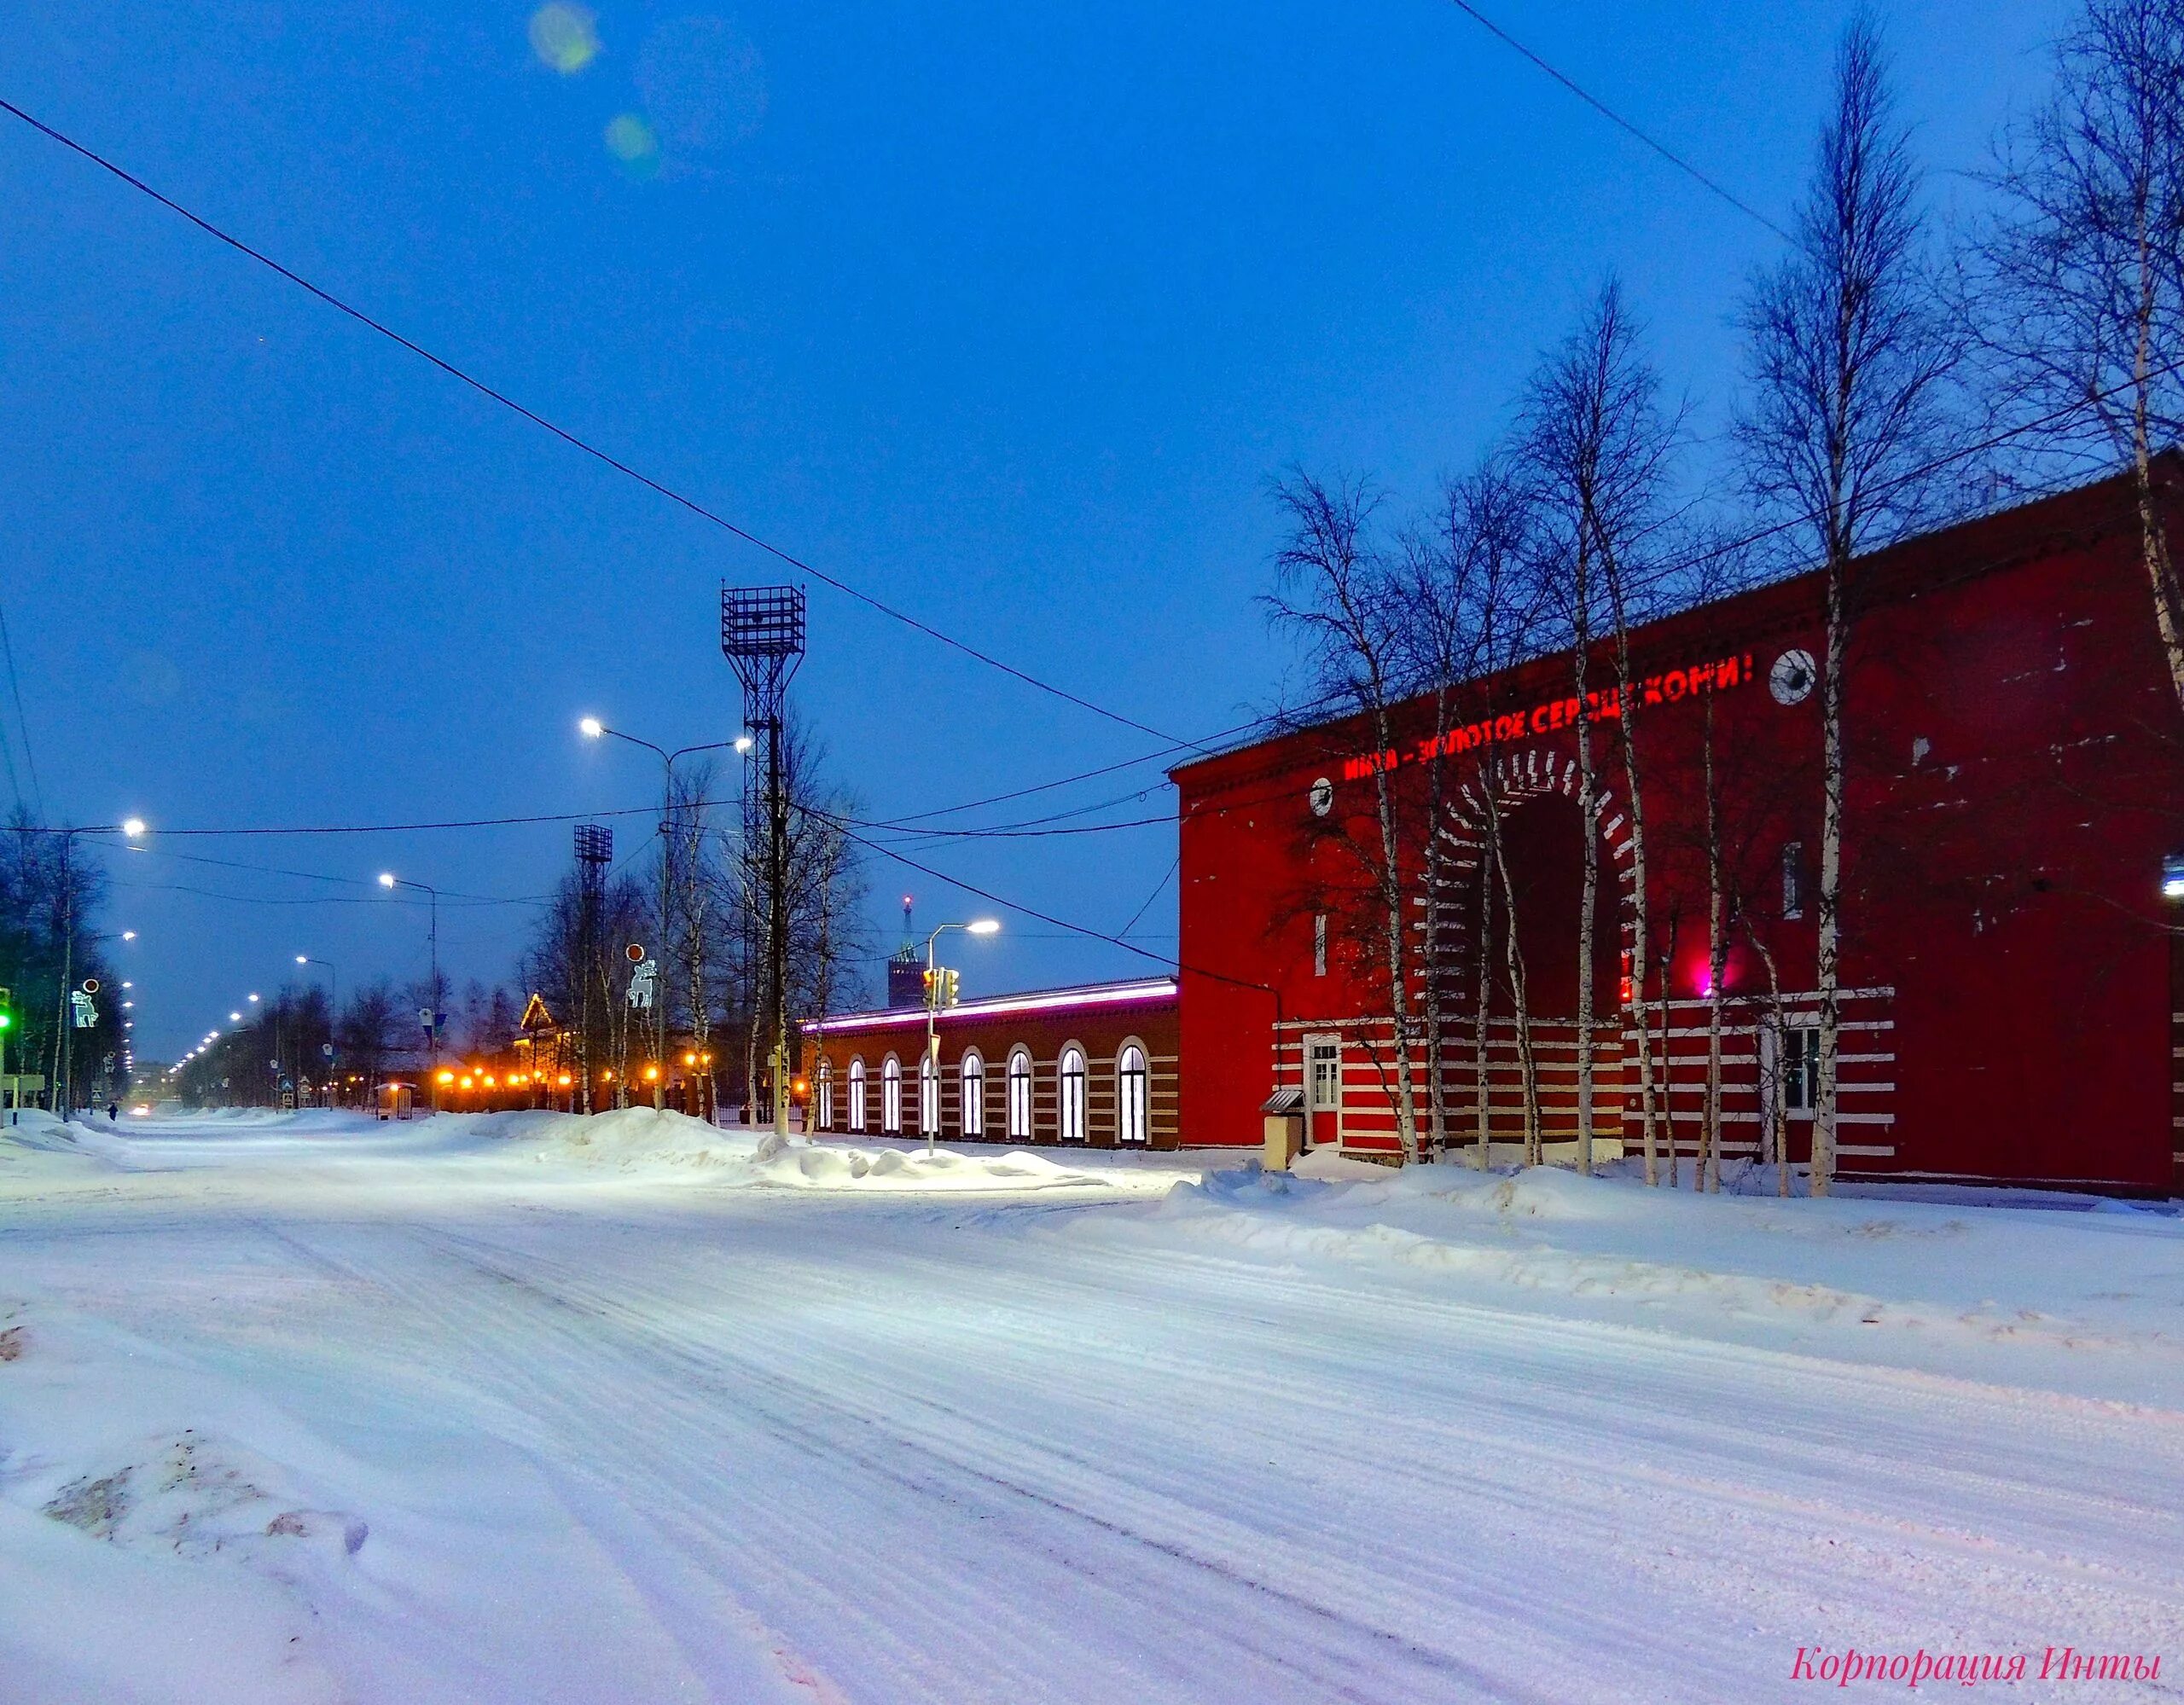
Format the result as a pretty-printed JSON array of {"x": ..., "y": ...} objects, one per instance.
[
  {"x": 636, "y": 1137},
  {"x": 34, "y": 1128}
]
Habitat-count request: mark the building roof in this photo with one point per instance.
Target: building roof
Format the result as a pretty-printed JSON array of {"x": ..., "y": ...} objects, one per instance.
[
  {"x": 1136, "y": 992},
  {"x": 1986, "y": 544}
]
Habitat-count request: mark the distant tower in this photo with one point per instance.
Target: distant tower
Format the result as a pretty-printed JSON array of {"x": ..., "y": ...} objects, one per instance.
[{"x": 906, "y": 970}]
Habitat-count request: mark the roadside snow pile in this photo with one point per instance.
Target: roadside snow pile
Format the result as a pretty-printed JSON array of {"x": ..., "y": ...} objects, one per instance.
[
  {"x": 33, "y": 1127},
  {"x": 1896, "y": 1281},
  {"x": 636, "y": 1138},
  {"x": 125, "y": 1531}
]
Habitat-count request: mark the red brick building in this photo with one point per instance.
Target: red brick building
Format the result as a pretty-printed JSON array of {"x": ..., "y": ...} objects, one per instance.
[
  {"x": 1094, "y": 1065},
  {"x": 2014, "y": 759}
]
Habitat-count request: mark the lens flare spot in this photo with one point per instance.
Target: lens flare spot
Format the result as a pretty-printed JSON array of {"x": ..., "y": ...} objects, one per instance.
[
  {"x": 565, "y": 37},
  {"x": 634, "y": 143}
]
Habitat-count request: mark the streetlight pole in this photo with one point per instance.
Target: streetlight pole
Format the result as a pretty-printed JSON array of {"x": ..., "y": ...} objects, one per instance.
[
  {"x": 930, "y": 1117},
  {"x": 593, "y": 728},
  {"x": 387, "y": 879},
  {"x": 332, "y": 1013}
]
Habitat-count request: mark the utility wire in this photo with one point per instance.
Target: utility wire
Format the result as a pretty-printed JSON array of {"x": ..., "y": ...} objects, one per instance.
[
  {"x": 574, "y": 440},
  {"x": 1617, "y": 119},
  {"x": 22, "y": 723}
]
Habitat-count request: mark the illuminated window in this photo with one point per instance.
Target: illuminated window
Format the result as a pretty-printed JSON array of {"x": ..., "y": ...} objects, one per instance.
[
  {"x": 1019, "y": 1095},
  {"x": 891, "y": 1096},
  {"x": 974, "y": 1119},
  {"x": 857, "y": 1093},
  {"x": 1069, "y": 1081},
  {"x": 928, "y": 1095},
  {"x": 826, "y": 1095},
  {"x": 1131, "y": 1094}
]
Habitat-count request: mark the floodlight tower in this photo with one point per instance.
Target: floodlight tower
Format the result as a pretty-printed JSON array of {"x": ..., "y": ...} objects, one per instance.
[
  {"x": 762, "y": 636},
  {"x": 595, "y": 852}
]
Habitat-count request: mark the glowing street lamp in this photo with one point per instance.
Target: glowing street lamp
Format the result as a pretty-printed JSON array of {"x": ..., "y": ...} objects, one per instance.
[
  {"x": 593, "y": 729},
  {"x": 133, "y": 827},
  {"x": 930, "y": 1117}
]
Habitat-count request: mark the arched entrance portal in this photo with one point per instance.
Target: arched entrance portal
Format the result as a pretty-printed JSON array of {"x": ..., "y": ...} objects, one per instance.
[{"x": 1536, "y": 814}]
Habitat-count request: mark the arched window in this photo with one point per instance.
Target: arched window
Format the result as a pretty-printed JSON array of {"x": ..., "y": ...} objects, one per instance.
[
  {"x": 891, "y": 1096},
  {"x": 928, "y": 1095},
  {"x": 1069, "y": 1078},
  {"x": 974, "y": 1119},
  {"x": 1132, "y": 1084},
  {"x": 826, "y": 1095},
  {"x": 1019, "y": 1095},
  {"x": 857, "y": 1093}
]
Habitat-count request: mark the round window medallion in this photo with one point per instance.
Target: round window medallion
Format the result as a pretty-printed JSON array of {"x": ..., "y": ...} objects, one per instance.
[
  {"x": 1322, "y": 797},
  {"x": 1790, "y": 681}
]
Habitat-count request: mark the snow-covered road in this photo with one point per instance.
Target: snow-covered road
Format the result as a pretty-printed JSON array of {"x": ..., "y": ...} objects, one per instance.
[{"x": 362, "y": 1414}]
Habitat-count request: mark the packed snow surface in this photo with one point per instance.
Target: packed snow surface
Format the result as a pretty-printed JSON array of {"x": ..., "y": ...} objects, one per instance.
[{"x": 523, "y": 1408}]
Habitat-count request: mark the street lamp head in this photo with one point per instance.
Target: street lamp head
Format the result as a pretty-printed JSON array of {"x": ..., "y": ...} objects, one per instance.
[
  {"x": 591, "y": 727},
  {"x": 253, "y": 997},
  {"x": 133, "y": 827},
  {"x": 129, "y": 935},
  {"x": 745, "y": 742},
  {"x": 386, "y": 879},
  {"x": 235, "y": 1017},
  {"x": 984, "y": 926}
]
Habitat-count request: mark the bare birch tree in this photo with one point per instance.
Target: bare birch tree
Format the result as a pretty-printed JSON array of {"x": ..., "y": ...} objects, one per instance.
[
  {"x": 1597, "y": 445},
  {"x": 1335, "y": 593},
  {"x": 2078, "y": 285},
  {"x": 1850, "y": 358}
]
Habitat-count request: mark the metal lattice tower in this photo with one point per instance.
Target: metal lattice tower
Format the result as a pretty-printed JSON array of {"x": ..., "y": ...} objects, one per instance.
[{"x": 762, "y": 636}]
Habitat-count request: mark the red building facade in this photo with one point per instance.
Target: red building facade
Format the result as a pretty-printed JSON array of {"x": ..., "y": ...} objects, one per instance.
[
  {"x": 2013, "y": 759},
  {"x": 1093, "y": 1066}
]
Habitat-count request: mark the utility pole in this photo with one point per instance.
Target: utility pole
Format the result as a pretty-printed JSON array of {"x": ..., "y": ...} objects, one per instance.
[
  {"x": 937, "y": 996},
  {"x": 388, "y": 879},
  {"x": 595, "y": 852},
  {"x": 762, "y": 634}
]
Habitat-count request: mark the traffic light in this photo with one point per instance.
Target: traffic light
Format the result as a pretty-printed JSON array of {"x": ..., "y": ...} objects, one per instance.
[
  {"x": 928, "y": 982},
  {"x": 7, "y": 1009},
  {"x": 951, "y": 984}
]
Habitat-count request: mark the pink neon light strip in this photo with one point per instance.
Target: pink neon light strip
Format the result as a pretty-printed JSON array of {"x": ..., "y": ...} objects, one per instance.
[{"x": 1120, "y": 994}]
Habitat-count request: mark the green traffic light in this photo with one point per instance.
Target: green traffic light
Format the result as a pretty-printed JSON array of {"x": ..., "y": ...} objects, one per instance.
[{"x": 6, "y": 1018}]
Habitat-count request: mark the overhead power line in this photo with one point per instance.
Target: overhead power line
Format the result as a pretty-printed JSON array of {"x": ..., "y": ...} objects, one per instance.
[
  {"x": 576, "y": 441},
  {"x": 1616, "y": 119}
]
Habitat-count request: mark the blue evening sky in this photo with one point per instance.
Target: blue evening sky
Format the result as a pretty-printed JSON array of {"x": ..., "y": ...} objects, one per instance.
[{"x": 1003, "y": 313}]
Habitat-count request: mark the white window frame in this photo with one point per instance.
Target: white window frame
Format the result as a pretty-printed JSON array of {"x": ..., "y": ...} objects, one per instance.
[
  {"x": 928, "y": 1095},
  {"x": 1133, "y": 1096},
  {"x": 890, "y": 1097},
  {"x": 1314, "y": 1102},
  {"x": 971, "y": 1075},
  {"x": 826, "y": 1096},
  {"x": 1070, "y": 1085},
  {"x": 857, "y": 1108},
  {"x": 1805, "y": 1026},
  {"x": 1022, "y": 1110}
]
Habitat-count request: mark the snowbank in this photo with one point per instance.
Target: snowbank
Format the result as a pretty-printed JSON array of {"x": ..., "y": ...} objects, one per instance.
[
  {"x": 2088, "y": 1300},
  {"x": 636, "y": 1138}
]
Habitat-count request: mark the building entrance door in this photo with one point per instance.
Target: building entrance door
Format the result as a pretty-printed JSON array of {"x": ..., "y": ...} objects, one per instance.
[{"x": 1322, "y": 1091}]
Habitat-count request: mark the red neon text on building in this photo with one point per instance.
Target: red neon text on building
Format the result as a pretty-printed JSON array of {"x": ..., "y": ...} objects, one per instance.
[{"x": 1553, "y": 713}]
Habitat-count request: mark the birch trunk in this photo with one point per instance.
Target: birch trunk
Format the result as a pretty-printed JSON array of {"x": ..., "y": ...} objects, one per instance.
[
  {"x": 1485, "y": 1001},
  {"x": 1718, "y": 954}
]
